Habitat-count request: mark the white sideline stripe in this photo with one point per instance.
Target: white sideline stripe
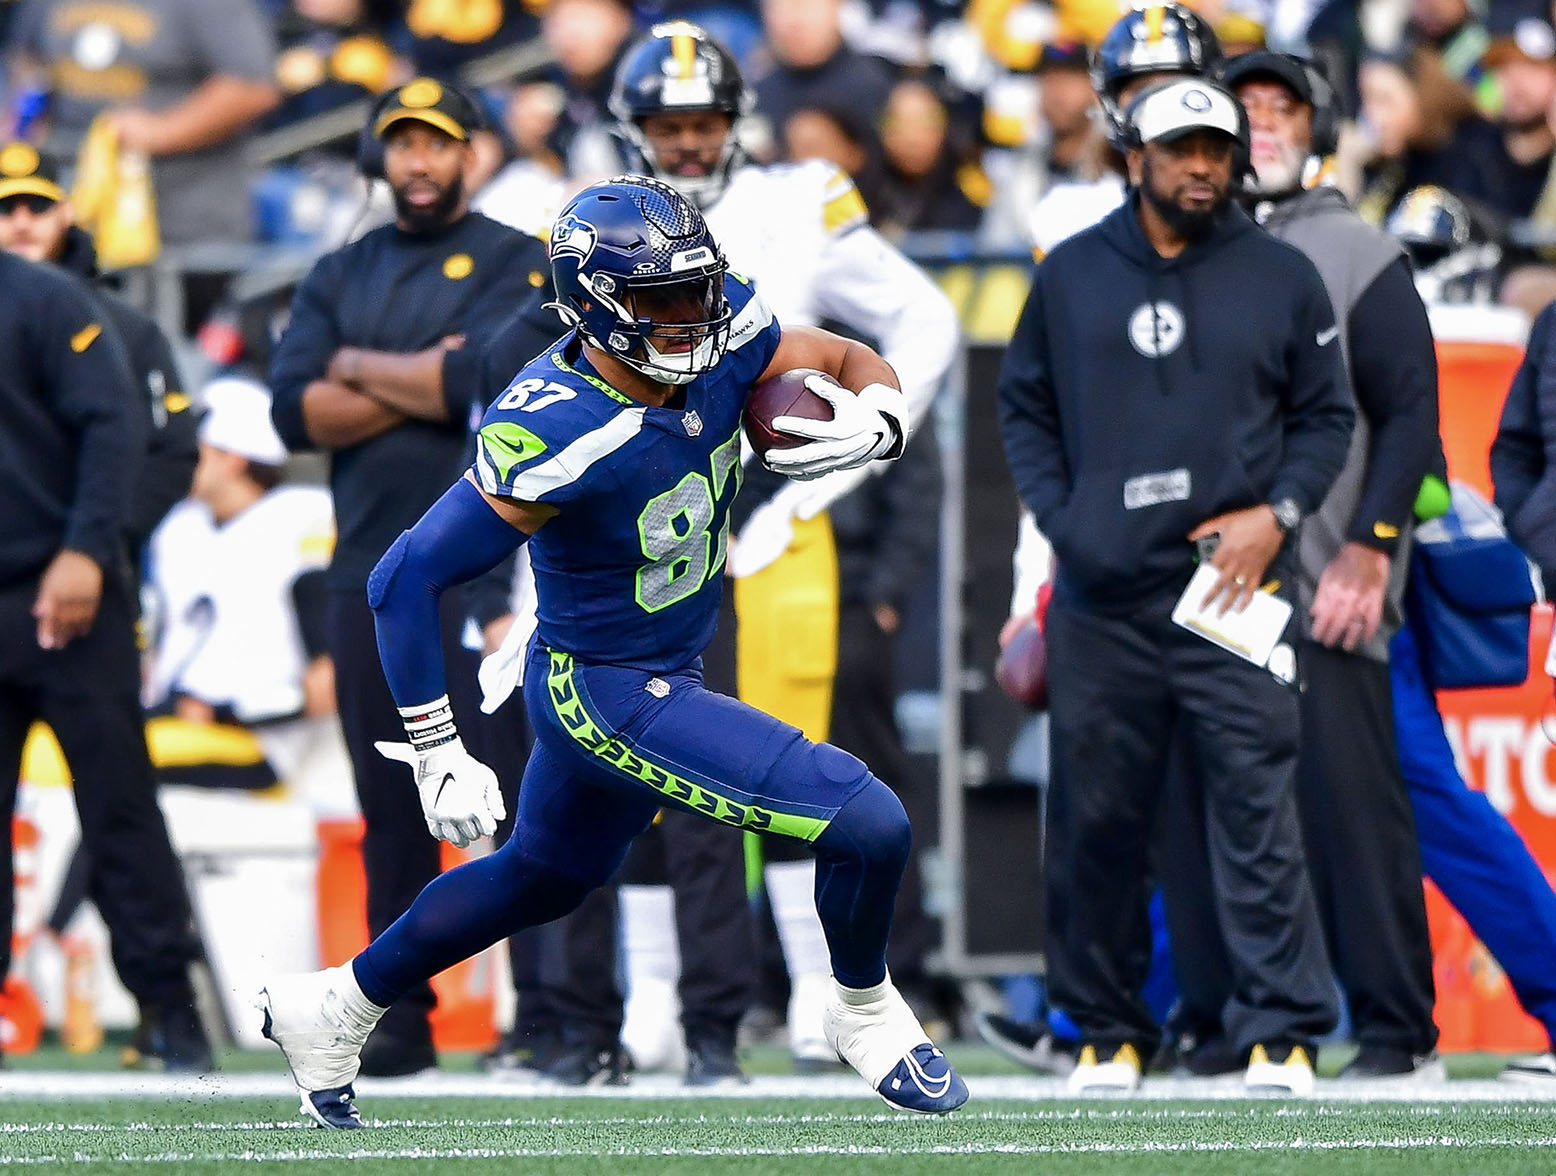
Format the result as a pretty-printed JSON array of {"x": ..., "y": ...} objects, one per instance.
[
  {"x": 24, "y": 1084},
  {"x": 903, "y": 1148},
  {"x": 1076, "y": 1115}
]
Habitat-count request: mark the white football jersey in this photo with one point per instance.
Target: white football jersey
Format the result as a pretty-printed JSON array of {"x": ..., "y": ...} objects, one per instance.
[
  {"x": 801, "y": 232},
  {"x": 229, "y": 634}
]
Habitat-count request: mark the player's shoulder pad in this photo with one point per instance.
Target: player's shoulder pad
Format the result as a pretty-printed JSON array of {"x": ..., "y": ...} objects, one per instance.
[
  {"x": 548, "y": 427},
  {"x": 811, "y": 187}
]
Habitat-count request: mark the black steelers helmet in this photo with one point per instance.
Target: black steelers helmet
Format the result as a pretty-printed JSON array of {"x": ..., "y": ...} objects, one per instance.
[
  {"x": 679, "y": 68},
  {"x": 1155, "y": 37}
]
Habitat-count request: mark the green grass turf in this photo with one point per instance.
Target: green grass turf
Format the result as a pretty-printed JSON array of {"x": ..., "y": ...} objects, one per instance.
[{"x": 598, "y": 1137}]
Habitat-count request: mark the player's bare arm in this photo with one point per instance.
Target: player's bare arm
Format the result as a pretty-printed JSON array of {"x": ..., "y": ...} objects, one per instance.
[{"x": 850, "y": 363}]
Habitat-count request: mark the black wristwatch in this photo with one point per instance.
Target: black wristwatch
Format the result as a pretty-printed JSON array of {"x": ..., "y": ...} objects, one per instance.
[{"x": 1288, "y": 515}]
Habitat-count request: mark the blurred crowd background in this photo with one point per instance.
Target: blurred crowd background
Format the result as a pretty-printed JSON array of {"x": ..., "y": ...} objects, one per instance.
[{"x": 953, "y": 118}]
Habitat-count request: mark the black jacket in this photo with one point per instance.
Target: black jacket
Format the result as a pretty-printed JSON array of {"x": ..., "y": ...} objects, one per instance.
[
  {"x": 401, "y": 292},
  {"x": 1119, "y": 454},
  {"x": 1522, "y": 472},
  {"x": 171, "y": 447},
  {"x": 72, "y": 436}
]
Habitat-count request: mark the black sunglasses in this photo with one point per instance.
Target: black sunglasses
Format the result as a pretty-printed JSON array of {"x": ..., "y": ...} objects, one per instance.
[{"x": 31, "y": 201}]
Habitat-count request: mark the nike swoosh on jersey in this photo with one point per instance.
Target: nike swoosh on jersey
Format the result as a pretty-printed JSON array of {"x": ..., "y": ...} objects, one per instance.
[{"x": 1324, "y": 338}]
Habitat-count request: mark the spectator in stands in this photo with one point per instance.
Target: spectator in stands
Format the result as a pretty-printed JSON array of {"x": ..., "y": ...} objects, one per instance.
[
  {"x": 1523, "y": 62},
  {"x": 810, "y": 64},
  {"x": 440, "y": 37},
  {"x": 185, "y": 81},
  {"x": 531, "y": 188},
  {"x": 332, "y": 52},
  {"x": 926, "y": 178},
  {"x": 1071, "y": 148},
  {"x": 1453, "y": 31},
  {"x": 35, "y": 223},
  {"x": 830, "y": 132},
  {"x": 238, "y": 572},
  {"x": 1419, "y": 127},
  {"x": 563, "y": 106}
]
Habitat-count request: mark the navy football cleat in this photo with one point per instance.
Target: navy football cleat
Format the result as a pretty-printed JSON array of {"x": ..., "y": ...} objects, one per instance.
[
  {"x": 333, "y": 1108},
  {"x": 924, "y": 1083}
]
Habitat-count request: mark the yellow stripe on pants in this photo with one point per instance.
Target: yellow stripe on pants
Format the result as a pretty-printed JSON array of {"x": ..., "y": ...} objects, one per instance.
[{"x": 786, "y": 643}]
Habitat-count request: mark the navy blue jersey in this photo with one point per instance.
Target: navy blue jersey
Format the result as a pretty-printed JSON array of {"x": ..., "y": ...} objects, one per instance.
[{"x": 629, "y": 572}]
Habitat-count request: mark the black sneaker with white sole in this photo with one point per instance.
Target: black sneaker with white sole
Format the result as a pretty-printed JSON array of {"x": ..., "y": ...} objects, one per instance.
[
  {"x": 1539, "y": 1068},
  {"x": 1027, "y": 1043},
  {"x": 589, "y": 1065},
  {"x": 1386, "y": 1061}
]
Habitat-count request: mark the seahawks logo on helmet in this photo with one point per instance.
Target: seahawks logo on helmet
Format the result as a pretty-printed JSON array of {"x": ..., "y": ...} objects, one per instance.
[{"x": 573, "y": 238}]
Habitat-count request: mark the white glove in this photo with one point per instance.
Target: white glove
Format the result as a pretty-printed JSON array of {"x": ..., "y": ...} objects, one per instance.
[
  {"x": 459, "y": 794},
  {"x": 865, "y": 425}
]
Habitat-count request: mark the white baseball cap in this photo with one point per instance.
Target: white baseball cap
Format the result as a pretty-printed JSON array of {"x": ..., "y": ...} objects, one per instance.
[
  {"x": 237, "y": 420},
  {"x": 1175, "y": 109}
]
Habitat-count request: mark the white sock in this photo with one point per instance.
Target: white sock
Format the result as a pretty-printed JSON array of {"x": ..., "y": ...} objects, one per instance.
[
  {"x": 649, "y": 947},
  {"x": 791, "y": 889},
  {"x": 855, "y": 997},
  {"x": 651, "y": 959}
]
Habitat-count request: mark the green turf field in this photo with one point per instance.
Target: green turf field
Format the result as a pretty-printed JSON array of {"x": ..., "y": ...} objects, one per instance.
[
  {"x": 790, "y": 1137},
  {"x": 199, "y": 1127}
]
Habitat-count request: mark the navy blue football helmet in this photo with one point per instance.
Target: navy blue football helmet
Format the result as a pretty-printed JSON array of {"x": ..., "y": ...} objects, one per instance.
[
  {"x": 640, "y": 276},
  {"x": 678, "y": 68}
]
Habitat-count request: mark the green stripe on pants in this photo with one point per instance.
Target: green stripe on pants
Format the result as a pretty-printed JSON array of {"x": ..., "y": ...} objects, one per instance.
[{"x": 589, "y": 733}]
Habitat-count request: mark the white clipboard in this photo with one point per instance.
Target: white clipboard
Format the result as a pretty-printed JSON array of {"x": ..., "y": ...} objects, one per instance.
[{"x": 1251, "y": 634}]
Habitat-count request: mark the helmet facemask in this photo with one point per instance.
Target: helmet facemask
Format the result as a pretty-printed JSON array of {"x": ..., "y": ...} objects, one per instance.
[
  {"x": 703, "y": 191},
  {"x": 671, "y": 329}
]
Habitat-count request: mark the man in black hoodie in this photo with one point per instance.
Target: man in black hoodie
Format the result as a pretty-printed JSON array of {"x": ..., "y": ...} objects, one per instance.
[
  {"x": 36, "y": 223},
  {"x": 1352, "y": 555},
  {"x": 1172, "y": 387}
]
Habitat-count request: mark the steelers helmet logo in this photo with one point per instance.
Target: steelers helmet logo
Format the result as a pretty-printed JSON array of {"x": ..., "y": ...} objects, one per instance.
[
  {"x": 18, "y": 159},
  {"x": 420, "y": 94},
  {"x": 1156, "y": 329},
  {"x": 457, "y": 266}
]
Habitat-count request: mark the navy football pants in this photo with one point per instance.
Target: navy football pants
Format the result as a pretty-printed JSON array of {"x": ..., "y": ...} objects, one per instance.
[{"x": 614, "y": 745}]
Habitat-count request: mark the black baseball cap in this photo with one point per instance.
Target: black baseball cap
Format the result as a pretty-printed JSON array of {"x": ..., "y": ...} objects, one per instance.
[
  {"x": 432, "y": 102},
  {"x": 1264, "y": 65},
  {"x": 26, "y": 172}
]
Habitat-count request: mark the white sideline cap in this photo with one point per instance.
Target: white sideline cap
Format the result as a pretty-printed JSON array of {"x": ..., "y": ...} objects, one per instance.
[
  {"x": 1180, "y": 108},
  {"x": 237, "y": 419}
]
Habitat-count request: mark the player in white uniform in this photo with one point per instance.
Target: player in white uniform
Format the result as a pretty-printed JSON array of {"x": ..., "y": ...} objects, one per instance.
[
  {"x": 801, "y": 232},
  {"x": 230, "y": 567}
]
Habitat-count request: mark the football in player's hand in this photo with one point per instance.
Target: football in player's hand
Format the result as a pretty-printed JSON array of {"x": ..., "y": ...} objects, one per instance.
[
  {"x": 1022, "y": 668},
  {"x": 782, "y": 395}
]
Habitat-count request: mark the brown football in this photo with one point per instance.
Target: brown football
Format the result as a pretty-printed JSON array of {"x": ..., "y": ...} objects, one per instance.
[{"x": 782, "y": 395}]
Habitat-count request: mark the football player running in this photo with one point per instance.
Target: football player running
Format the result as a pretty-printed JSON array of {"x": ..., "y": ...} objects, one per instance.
[
  {"x": 616, "y": 455},
  {"x": 801, "y": 233}
]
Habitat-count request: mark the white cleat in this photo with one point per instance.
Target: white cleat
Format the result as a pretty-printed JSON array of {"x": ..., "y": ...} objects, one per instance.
[
  {"x": 875, "y": 1032},
  {"x": 321, "y": 1020},
  {"x": 1120, "y": 1074},
  {"x": 1291, "y": 1076}
]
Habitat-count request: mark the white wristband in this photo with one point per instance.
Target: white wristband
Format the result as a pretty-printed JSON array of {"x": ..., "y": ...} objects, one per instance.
[{"x": 429, "y": 725}]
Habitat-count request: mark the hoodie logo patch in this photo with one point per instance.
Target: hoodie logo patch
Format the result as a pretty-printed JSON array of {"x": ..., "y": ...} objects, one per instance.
[{"x": 1156, "y": 329}]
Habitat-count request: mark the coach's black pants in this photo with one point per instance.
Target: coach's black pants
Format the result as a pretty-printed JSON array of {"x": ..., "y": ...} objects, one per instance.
[
  {"x": 88, "y": 693},
  {"x": 398, "y": 854},
  {"x": 1119, "y": 686},
  {"x": 1362, "y": 856},
  {"x": 1362, "y": 850}
]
